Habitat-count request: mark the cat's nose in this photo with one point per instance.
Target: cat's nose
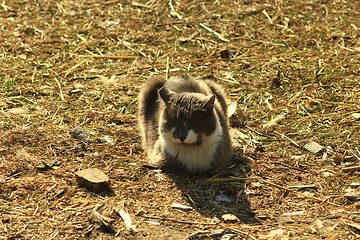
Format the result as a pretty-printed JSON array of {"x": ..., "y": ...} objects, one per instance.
[{"x": 182, "y": 138}]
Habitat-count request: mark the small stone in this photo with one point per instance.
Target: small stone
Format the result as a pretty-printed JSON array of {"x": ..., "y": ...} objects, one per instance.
[
  {"x": 228, "y": 236},
  {"x": 229, "y": 218},
  {"x": 78, "y": 133},
  {"x": 181, "y": 207},
  {"x": 314, "y": 147},
  {"x": 225, "y": 53},
  {"x": 93, "y": 179},
  {"x": 222, "y": 198}
]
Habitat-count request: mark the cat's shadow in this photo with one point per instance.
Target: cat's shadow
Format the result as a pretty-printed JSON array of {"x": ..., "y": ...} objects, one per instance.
[{"x": 216, "y": 199}]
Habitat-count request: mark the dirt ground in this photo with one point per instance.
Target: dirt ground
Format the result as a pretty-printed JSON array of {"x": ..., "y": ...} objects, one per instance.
[{"x": 292, "y": 67}]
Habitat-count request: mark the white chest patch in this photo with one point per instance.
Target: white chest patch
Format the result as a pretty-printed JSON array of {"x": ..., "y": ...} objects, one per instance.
[{"x": 195, "y": 158}]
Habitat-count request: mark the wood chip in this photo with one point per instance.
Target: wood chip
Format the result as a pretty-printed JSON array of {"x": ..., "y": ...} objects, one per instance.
[
  {"x": 298, "y": 213},
  {"x": 356, "y": 116},
  {"x": 229, "y": 218},
  {"x": 127, "y": 219},
  {"x": 93, "y": 179},
  {"x": 314, "y": 148}
]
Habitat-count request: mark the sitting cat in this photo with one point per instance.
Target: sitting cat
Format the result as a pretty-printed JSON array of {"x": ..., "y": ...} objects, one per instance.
[{"x": 184, "y": 125}]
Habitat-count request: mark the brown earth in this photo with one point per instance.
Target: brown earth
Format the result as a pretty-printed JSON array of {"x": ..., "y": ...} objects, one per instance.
[{"x": 293, "y": 61}]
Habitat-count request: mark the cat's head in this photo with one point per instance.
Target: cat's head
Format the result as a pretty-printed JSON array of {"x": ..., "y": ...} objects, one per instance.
[{"x": 187, "y": 117}]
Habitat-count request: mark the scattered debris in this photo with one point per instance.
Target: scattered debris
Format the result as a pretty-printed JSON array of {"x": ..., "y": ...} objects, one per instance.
[
  {"x": 356, "y": 116},
  {"x": 127, "y": 219},
  {"x": 298, "y": 213},
  {"x": 230, "y": 218},
  {"x": 324, "y": 226},
  {"x": 228, "y": 236},
  {"x": 312, "y": 186},
  {"x": 314, "y": 148},
  {"x": 274, "y": 233},
  {"x": 197, "y": 235},
  {"x": 94, "y": 179},
  {"x": 78, "y": 133},
  {"x": 262, "y": 217},
  {"x": 351, "y": 169},
  {"x": 352, "y": 224},
  {"x": 236, "y": 115},
  {"x": 354, "y": 196},
  {"x": 51, "y": 164},
  {"x": 225, "y": 53},
  {"x": 215, "y": 33},
  {"x": 217, "y": 233},
  {"x": 100, "y": 221},
  {"x": 222, "y": 198},
  {"x": 152, "y": 222},
  {"x": 181, "y": 207},
  {"x": 275, "y": 121},
  {"x": 355, "y": 184},
  {"x": 17, "y": 111}
]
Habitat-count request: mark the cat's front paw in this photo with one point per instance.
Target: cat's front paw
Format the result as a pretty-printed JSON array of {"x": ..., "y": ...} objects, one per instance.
[{"x": 156, "y": 160}]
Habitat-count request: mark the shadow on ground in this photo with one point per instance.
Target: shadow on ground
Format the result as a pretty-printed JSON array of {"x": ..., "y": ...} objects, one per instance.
[{"x": 217, "y": 199}]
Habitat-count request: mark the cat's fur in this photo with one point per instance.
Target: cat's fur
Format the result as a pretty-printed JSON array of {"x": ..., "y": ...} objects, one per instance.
[{"x": 184, "y": 125}]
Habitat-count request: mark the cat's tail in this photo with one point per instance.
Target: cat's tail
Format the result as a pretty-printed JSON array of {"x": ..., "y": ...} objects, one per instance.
[{"x": 149, "y": 95}]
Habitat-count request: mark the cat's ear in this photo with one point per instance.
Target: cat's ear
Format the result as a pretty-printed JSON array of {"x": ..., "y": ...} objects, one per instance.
[
  {"x": 209, "y": 105},
  {"x": 166, "y": 94}
]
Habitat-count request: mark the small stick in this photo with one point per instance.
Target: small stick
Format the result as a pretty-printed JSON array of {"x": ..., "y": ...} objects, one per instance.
[
  {"x": 215, "y": 33},
  {"x": 112, "y": 57},
  {"x": 66, "y": 72},
  {"x": 177, "y": 221},
  {"x": 267, "y": 16},
  {"x": 351, "y": 169},
  {"x": 245, "y": 233},
  {"x": 60, "y": 90},
  {"x": 233, "y": 179},
  {"x": 292, "y": 141},
  {"x": 167, "y": 68}
]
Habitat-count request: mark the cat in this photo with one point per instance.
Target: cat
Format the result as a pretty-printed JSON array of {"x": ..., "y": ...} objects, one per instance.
[{"x": 184, "y": 125}]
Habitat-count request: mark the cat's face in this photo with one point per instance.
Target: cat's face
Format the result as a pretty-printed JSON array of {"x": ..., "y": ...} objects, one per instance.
[{"x": 187, "y": 117}]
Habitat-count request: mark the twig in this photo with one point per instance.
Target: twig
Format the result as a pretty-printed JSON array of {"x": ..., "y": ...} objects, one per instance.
[
  {"x": 112, "y": 57},
  {"x": 244, "y": 233},
  {"x": 292, "y": 141},
  {"x": 137, "y": 4},
  {"x": 173, "y": 12},
  {"x": 232, "y": 179},
  {"x": 66, "y": 72},
  {"x": 275, "y": 121},
  {"x": 268, "y": 17},
  {"x": 177, "y": 221},
  {"x": 60, "y": 90},
  {"x": 215, "y": 33},
  {"x": 351, "y": 169}
]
